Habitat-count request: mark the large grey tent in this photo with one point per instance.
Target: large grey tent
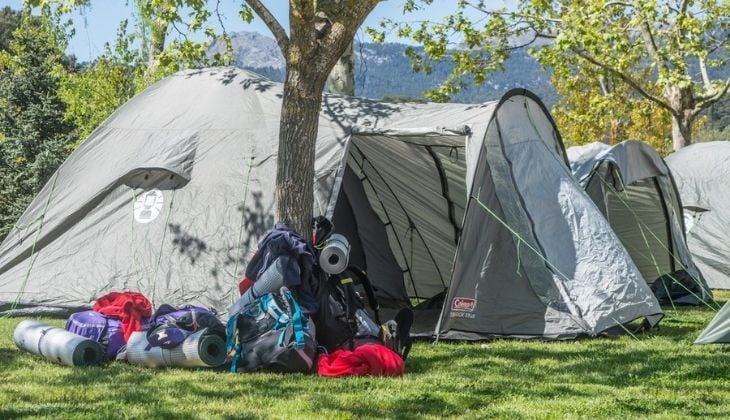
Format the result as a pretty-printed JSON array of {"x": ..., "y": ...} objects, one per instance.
[
  {"x": 474, "y": 202},
  {"x": 702, "y": 173},
  {"x": 633, "y": 187}
]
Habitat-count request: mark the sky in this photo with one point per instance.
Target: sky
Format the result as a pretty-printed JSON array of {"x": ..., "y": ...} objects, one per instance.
[{"x": 97, "y": 24}]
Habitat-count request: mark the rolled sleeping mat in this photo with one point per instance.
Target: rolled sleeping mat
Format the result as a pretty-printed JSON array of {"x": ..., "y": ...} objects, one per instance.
[
  {"x": 57, "y": 344},
  {"x": 335, "y": 255},
  {"x": 269, "y": 281},
  {"x": 198, "y": 350}
]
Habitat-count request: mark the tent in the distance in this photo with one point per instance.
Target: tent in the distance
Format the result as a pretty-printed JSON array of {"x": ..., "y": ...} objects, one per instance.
[
  {"x": 718, "y": 330},
  {"x": 469, "y": 208},
  {"x": 702, "y": 173},
  {"x": 634, "y": 189}
]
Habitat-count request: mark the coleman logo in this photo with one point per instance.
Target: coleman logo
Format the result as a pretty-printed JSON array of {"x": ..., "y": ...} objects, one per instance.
[{"x": 463, "y": 304}]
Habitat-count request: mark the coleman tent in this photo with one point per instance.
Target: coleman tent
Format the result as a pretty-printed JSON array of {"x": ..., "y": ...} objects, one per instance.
[
  {"x": 634, "y": 189},
  {"x": 474, "y": 203},
  {"x": 702, "y": 173}
]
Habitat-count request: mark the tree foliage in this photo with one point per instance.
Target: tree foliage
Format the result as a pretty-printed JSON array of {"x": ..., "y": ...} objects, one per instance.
[
  {"x": 673, "y": 46},
  {"x": 595, "y": 106},
  {"x": 139, "y": 57},
  {"x": 34, "y": 135},
  {"x": 94, "y": 92},
  {"x": 9, "y": 22}
]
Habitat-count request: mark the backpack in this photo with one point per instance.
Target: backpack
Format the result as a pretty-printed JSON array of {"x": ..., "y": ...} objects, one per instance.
[
  {"x": 171, "y": 326},
  {"x": 342, "y": 319},
  {"x": 95, "y": 326},
  {"x": 273, "y": 335}
]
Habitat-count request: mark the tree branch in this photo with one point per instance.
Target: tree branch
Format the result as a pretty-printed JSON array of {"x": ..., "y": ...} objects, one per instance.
[
  {"x": 510, "y": 14},
  {"x": 626, "y": 78},
  {"x": 617, "y": 3},
  {"x": 705, "y": 77},
  {"x": 346, "y": 17},
  {"x": 651, "y": 46},
  {"x": 684, "y": 6},
  {"x": 704, "y": 101},
  {"x": 274, "y": 26}
]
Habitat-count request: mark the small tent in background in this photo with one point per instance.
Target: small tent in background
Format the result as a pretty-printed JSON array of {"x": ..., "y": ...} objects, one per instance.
[
  {"x": 702, "y": 173},
  {"x": 634, "y": 189},
  {"x": 469, "y": 206},
  {"x": 718, "y": 330}
]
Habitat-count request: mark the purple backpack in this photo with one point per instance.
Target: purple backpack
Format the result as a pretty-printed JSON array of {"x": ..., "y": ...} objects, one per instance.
[
  {"x": 171, "y": 326},
  {"x": 95, "y": 326}
]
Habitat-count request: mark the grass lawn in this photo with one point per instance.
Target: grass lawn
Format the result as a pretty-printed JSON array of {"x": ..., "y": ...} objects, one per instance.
[{"x": 659, "y": 375}]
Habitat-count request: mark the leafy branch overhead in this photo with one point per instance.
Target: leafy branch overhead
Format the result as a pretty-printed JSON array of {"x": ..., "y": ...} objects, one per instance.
[
  {"x": 166, "y": 28},
  {"x": 677, "y": 44}
]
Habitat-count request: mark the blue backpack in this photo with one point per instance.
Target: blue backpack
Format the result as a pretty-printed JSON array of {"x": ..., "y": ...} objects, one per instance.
[{"x": 273, "y": 335}]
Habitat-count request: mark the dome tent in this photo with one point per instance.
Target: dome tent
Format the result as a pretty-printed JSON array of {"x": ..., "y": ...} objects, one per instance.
[
  {"x": 169, "y": 195},
  {"x": 633, "y": 187},
  {"x": 702, "y": 171}
]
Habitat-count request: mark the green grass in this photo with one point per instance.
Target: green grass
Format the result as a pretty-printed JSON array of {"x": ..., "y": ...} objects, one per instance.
[{"x": 659, "y": 375}]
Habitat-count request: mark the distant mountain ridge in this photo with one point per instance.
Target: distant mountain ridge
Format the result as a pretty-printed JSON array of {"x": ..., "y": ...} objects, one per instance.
[{"x": 384, "y": 70}]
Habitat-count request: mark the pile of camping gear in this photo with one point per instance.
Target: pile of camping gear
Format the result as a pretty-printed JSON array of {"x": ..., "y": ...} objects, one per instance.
[{"x": 301, "y": 309}]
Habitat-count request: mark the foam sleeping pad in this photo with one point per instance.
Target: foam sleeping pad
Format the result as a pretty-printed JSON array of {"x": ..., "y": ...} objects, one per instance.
[
  {"x": 57, "y": 344},
  {"x": 198, "y": 350}
]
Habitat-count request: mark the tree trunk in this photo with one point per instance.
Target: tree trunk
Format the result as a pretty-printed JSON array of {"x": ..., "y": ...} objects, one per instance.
[
  {"x": 342, "y": 78},
  {"x": 297, "y": 138},
  {"x": 682, "y": 101},
  {"x": 681, "y": 132},
  {"x": 158, "y": 33}
]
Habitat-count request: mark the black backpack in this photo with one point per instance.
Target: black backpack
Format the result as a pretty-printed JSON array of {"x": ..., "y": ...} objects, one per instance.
[{"x": 336, "y": 322}]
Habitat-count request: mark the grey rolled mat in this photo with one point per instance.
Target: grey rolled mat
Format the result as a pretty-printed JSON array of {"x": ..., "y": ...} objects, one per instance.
[
  {"x": 198, "y": 350},
  {"x": 270, "y": 280},
  {"x": 57, "y": 344}
]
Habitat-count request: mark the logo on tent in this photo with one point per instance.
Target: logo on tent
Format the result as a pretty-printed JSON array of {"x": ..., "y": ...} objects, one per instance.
[
  {"x": 462, "y": 304},
  {"x": 148, "y": 206}
]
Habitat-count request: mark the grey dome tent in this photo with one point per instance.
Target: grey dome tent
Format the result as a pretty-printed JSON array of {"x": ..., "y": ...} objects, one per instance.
[
  {"x": 633, "y": 187},
  {"x": 471, "y": 202},
  {"x": 702, "y": 173}
]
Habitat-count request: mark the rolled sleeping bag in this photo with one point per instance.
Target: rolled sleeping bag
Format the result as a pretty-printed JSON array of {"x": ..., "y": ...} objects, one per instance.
[
  {"x": 57, "y": 344},
  {"x": 269, "y": 281},
  {"x": 197, "y": 350},
  {"x": 335, "y": 255}
]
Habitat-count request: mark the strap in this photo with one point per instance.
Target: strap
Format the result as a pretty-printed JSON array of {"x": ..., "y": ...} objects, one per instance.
[
  {"x": 295, "y": 317},
  {"x": 369, "y": 291},
  {"x": 231, "y": 345}
]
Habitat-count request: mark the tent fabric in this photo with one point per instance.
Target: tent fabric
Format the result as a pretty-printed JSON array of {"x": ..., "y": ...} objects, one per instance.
[
  {"x": 634, "y": 188},
  {"x": 702, "y": 173},
  {"x": 718, "y": 330},
  {"x": 472, "y": 202}
]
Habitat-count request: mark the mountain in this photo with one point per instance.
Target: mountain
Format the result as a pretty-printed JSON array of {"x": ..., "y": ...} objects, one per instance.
[{"x": 384, "y": 70}]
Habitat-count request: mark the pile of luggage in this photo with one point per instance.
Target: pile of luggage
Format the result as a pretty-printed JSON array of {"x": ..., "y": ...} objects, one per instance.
[
  {"x": 300, "y": 304},
  {"x": 301, "y": 309}
]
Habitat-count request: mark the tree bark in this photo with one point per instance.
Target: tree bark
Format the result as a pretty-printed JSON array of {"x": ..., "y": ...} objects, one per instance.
[
  {"x": 682, "y": 102},
  {"x": 681, "y": 132},
  {"x": 158, "y": 33},
  {"x": 342, "y": 78},
  {"x": 297, "y": 138}
]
